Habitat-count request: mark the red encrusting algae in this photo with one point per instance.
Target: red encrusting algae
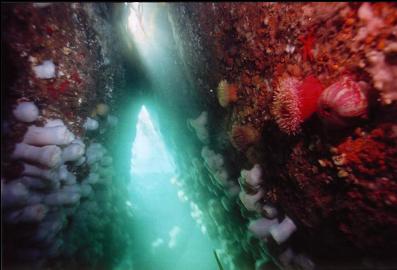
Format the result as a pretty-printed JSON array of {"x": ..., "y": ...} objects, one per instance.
[
  {"x": 55, "y": 90},
  {"x": 64, "y": 86},
  {"x": 75, "y": 77},
  {"x": 308, "y": 43},
  {"x": 365, "y": 154}
]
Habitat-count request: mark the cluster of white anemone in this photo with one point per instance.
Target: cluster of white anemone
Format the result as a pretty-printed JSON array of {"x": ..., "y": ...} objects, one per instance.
[
  {"x": 46, "y": 192},
  {"x": 264, "y": 223},
  {"x": 200, "y": 127},
  {"x": 268, "y": 224}
]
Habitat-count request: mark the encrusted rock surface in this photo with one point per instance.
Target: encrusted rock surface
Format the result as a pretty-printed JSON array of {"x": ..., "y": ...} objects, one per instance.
[{"x": 337, "y": 184}]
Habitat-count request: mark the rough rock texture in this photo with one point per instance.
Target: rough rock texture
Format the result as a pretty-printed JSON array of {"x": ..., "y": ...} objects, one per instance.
[
  {"x": 79, "y": 40},
  {"x": 338, "y": 185}
]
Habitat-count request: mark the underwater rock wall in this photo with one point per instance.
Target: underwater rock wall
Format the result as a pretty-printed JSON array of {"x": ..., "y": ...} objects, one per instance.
[
  {"x": 63, "y": 205},
  {"x": 284, "y": 136},
  {"x": 308, "y": 92}
]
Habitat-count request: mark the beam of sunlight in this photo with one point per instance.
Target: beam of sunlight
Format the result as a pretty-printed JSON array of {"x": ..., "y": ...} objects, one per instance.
[
  {"x": 167, "y": 236},
  {"x": 136, "y": 23},
  {"x": 143, "y": 27},
  {"x": 152, "y": 36},
  {"x": 149, "y": 154}
]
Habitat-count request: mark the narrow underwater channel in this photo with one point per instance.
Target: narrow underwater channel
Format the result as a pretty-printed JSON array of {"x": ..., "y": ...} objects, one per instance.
[
  {"x": 198, "y": 136},
  {"x": 166, "y": 235}
]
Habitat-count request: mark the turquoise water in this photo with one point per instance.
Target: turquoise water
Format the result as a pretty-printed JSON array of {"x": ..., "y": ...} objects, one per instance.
[{"x": 165, "y": 234}]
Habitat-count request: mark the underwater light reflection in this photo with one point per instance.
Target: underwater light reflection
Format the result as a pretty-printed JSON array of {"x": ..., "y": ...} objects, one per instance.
[
  {"x": 166, "y": 232},
  {"x": 148, "y": 30},
  {"x": 135, "y": 22},
  {"x": 149, "y": 154}
]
